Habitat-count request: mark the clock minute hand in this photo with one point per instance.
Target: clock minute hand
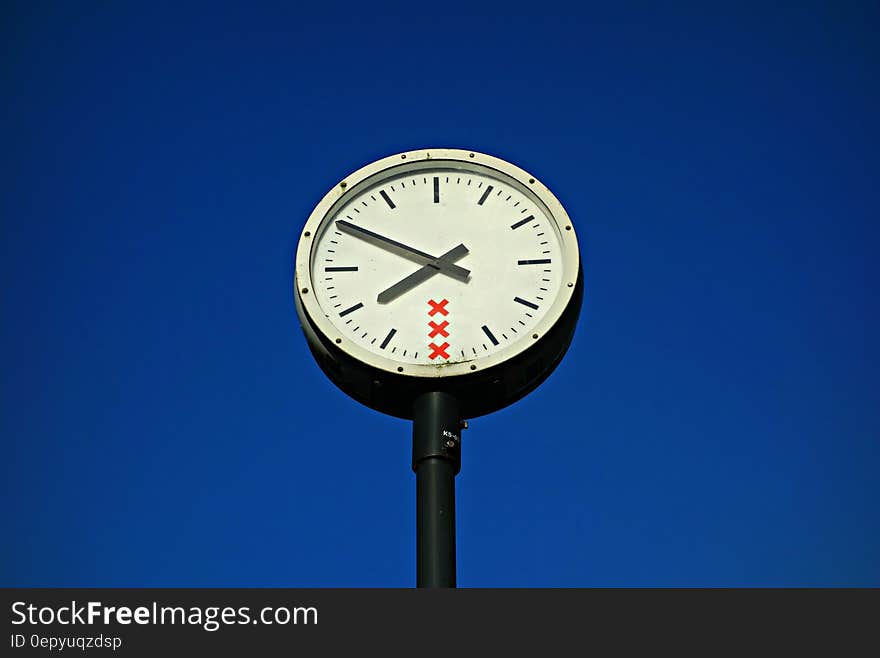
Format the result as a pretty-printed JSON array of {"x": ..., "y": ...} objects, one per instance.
[
  {"x": 420, "y": 275},
  {"x": 403, "y": 250}
]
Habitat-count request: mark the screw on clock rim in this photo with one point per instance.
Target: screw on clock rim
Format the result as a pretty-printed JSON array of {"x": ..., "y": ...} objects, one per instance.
[{"x": 420, "y": 159}]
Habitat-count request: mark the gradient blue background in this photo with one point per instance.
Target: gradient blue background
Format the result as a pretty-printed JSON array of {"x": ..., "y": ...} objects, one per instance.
[{"x": 715, "y": 422}]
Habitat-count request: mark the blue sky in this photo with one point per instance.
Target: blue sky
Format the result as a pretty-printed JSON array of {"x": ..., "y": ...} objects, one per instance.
[{"x": 715, "y": 422}]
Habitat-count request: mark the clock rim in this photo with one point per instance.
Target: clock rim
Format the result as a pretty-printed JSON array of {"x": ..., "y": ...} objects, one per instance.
[{"x": 352, "y": 185}]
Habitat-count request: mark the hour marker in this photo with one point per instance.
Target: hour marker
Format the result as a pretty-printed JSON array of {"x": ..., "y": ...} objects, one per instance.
[
  {"x": 523, "y": 221},
  {"x": 516, "y": 299},
  {"x": 489, "y": 335},
  {"x": 340, "y": 269},
  {"x": 485, "y": 194},
  {"x": 436, "y": 189},
  {"x": 356, "y": 307},
  {"x": 535, "y": 261},
  {"x": 387, "y": 339},
  {"x": 387, "y": 199}
]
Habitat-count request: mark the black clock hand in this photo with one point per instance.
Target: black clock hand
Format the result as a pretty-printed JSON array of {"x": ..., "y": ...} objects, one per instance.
[
  {"x": 420, "y": 275},
  {"x": 403, "y": 250}
]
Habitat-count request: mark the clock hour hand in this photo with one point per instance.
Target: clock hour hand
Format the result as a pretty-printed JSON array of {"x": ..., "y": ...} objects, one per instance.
[
  {"x": 421, "y": 275},
  {"x": 403, "y": 250}
]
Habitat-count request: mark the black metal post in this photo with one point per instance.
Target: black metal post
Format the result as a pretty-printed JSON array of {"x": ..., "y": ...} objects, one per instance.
[{"x": 436, "y": 462}]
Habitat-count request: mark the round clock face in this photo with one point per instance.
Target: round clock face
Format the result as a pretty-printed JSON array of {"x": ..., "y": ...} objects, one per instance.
[{"x": 436, "y": 263}]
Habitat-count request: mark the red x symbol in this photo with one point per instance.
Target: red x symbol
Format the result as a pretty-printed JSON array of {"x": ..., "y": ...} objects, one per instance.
[
  {"x": 438, "y": 307},
  {"x": 438, "y": 329},
  {"x": 438, "y": 350}
]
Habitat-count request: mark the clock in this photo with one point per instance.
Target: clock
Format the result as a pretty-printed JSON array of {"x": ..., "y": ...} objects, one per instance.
[{"x": 438, "y": 270}]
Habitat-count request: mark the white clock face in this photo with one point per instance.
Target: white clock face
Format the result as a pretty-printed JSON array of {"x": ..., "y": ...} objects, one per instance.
[{"x": 435, "y": 263}]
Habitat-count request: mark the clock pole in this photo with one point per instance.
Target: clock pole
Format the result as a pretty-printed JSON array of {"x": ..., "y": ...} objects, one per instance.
[{"x": 436, "y": 461}]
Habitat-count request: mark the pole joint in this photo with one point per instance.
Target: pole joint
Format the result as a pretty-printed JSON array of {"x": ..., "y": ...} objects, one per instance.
[{"x": 437, "y": 429}]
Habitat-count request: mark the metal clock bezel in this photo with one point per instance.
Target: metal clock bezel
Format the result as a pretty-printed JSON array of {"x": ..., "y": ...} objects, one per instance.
[{"x": 420, "y": 159}]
